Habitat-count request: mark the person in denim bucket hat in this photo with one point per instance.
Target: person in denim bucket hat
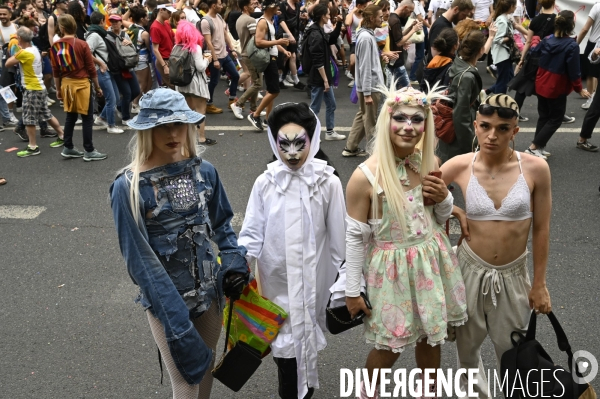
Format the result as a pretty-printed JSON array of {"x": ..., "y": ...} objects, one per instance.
[
  {"x": 161, "y": 106},
  {"x": 168, "y": 204}
]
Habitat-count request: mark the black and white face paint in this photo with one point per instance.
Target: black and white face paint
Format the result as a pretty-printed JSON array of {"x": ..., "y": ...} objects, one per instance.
[{"x": 293, "y": 145}]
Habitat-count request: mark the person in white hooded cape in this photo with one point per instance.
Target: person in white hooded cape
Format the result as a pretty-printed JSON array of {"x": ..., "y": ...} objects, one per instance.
[{"x": 295, "y": 229}]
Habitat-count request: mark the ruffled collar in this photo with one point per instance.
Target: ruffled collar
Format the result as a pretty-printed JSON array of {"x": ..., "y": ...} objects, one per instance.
[{"x": 311, "y": 174}]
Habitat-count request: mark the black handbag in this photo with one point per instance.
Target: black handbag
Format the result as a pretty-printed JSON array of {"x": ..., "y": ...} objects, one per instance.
[
  {"x": 529, "y": 358},
  {"x": 338, "y": 319},
  {"x": 236, "y": 367}
]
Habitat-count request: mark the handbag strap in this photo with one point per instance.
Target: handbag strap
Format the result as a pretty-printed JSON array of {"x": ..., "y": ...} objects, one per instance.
[
  {"x": 336, "y": 279},
  {"x": 228, "y": 329}
]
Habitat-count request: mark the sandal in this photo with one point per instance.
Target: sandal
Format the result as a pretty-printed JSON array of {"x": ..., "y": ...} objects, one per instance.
[
  {"x": 2, "y": 181},
  {"x": 208, "y": 142}
]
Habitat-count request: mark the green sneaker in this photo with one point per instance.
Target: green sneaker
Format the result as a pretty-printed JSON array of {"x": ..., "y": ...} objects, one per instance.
[
  {"x": 28, "y": 151},
  {"x": 58, "y": 143}
]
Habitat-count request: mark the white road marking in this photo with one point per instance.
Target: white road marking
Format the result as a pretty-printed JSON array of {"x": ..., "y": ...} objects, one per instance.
[
  {"x": 347, "y": 129},
  {"x": 20, "y": 212}
]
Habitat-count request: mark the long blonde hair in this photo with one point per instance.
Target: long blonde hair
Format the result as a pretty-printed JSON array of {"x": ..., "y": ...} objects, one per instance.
[
  {"x": 140, "y": 149},
  {"x": 383, "y": 149}
]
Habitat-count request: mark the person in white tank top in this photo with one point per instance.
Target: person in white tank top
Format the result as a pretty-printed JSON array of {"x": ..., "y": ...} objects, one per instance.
[{"x": 505, "y": 193}]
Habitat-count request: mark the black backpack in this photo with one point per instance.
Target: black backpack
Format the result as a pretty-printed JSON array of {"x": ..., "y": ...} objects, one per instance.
[
  {"x": 180, "y": 66},
  {"x": 528, "y": 360},
  {"x": 115, "y": 63}
]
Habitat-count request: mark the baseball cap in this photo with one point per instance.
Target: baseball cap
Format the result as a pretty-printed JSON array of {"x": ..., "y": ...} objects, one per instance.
[
  {"x": 169, "y": 7},
  {"x": 115, "y": 17}
]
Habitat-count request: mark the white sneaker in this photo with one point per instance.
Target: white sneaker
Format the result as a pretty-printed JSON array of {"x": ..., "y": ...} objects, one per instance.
[
  {"x": 536, "y": 153},
  {"x": 588, "y": 103},
  {"x": 237, "y": 111},
  {"x": 78, "y": 121},
  {"x": 241, "y": 89},
  {"x": 259, "y": 96},
  {"x": 545, "y": 153},
  {"x": 334, "y": 136},
  {"x": 351, "y": 84},
  {"x": 287, "y": 84},
  {"x": 135, "y": 109},
  {"x": 114, "y": 130},
  {"x": 14, "y": 119},
  {"x": 349, "y": 75},
  {"x": 289, "y": 79},
  {"x": 50, "y": 102},
  {"x": 100, "y": 122}
]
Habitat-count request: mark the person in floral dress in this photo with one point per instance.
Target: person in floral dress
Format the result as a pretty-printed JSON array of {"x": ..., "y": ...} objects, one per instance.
[{"x": 397, "y": 241}]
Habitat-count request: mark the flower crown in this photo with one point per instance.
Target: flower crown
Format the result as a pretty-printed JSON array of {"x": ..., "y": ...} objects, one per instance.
[{"x": 409, "y": 96}]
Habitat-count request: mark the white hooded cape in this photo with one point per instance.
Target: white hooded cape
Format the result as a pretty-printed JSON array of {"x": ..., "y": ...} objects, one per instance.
[{"x": 295, "y": 229}]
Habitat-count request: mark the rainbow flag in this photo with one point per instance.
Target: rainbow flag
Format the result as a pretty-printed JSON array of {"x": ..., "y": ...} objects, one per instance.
[{"x": 95, "y": 5}]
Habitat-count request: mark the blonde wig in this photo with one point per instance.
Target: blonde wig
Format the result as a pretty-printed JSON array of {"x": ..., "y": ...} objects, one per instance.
[
  {"x": 140, "y": 149},
  {"x": 383, "y": 148}
]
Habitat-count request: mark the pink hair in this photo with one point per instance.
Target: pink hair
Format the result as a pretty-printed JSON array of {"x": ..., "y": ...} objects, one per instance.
[{"x": 188, "y": 36}]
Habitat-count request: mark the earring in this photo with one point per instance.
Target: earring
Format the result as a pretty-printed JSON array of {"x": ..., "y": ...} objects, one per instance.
[
  {"x": 512, "y": 142},
  {"x": 473, "y": 148}
]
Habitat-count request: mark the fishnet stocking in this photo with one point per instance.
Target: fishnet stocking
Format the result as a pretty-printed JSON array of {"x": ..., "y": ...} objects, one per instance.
[{"x": 209, "y": 328}]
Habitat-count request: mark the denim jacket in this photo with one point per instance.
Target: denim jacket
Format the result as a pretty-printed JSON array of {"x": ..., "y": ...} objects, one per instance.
[{"x": 170, "y": 257}]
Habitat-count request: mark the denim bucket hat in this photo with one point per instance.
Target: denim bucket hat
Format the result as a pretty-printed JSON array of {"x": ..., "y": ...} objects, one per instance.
[{"x": 161, "y": 106}]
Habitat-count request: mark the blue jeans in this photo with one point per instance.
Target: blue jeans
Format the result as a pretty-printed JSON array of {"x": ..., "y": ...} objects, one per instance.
[
  {"x": 504, "y": 76},
  {"x": 229, "y": 67},
  {"x": 111, "y": 93},
  {"x": 400, "y": 76},
  {"x": 129, "y": 88},
  {"x": 316, "y": 98}
]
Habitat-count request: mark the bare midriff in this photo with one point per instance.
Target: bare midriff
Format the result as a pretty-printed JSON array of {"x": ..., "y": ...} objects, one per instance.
[{"x": 499, "y": 242}]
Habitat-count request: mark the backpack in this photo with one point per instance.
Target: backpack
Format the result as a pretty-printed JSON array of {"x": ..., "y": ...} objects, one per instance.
[
  {"x": 259, "y": 57},
  {"x": 305, "y": 58},
  {"x": 180, "y": 66},
  {"x": 442, "y": 115},
  {"x": 127, "y": 53},
  {"x": 62, "y": 54},
  {"x": 524, "y": 365},
  {"x": 7, "y": 77},
  {"x": 211, "y": 24}
]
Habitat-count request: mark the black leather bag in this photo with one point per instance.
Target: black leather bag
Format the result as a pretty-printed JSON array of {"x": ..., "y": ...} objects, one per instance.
[
  {"x": 338, "y": 319},
  {"x": 529, "y": 358},
  {"x": 236, "y": 366}
]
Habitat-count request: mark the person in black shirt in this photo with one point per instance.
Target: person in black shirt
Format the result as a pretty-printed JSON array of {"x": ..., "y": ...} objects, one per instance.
[
  {"x": 459, "y": 10},
  {"x": 399, "y": 35}
]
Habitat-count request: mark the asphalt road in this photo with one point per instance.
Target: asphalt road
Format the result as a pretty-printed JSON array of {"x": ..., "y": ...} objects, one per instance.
[{"x": 68, "y": 324}]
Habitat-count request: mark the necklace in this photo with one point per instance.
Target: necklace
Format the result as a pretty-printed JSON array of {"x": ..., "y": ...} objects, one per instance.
[{"x": 493, "y": 176}]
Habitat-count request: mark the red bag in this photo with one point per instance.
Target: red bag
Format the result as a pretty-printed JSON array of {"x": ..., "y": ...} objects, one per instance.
[{"x": 442, "y": 117}]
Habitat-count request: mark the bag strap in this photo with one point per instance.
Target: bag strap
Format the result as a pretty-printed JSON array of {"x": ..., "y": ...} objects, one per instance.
[
  {"x": 231, "y": 301},
  {"x": 336, "y": 279}
]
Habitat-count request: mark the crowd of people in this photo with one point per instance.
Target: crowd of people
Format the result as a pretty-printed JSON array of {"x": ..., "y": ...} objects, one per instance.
[
  {"x": 439, "y": 41},
  {"x": 155, "y": 66}
]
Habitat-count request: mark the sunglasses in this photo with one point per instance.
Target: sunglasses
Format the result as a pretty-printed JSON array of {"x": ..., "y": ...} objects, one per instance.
[{"x": 503, "y": 112}]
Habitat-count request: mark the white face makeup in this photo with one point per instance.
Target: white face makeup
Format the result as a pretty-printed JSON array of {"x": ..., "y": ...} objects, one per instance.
[
  {"x": 407, "y": 125},
  {"x": 293, "y": 145}
]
